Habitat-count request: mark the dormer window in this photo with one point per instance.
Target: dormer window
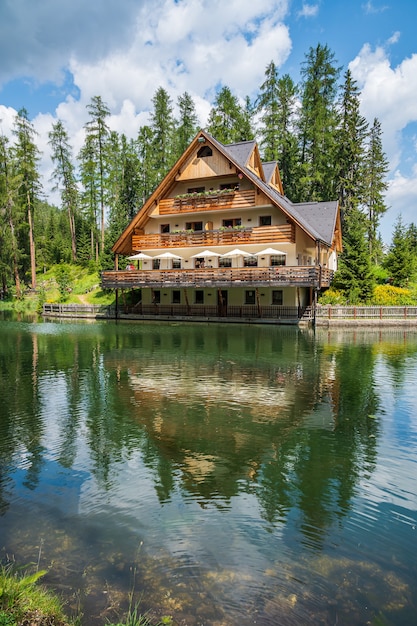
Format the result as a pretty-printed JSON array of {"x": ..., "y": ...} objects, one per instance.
[{"x": 205, "y": 151}]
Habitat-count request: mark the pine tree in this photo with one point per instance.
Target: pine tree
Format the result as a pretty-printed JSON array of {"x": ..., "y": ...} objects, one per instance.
[
  {"x": 226, "y": 118},
  {"x": 375, "y": 184},
  {"x": 162, "y": 127},
  {"x": 186, "y": 125},
  {"x": 399, "y": 261},
  {"x": 351, "y": 141},
  {"x": 317, "y": 124},
  {"x": 26, "y": 160},
  {"x": 354, "y": 276},
  {"x": 89, "y": 197},
  {"x": 97, "y": 134},
  {"x": 64, "y": 175}
]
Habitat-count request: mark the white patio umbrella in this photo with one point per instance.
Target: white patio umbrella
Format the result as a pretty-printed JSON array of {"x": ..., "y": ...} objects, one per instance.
[
  {"x": 237, "y": 252},
  {"x": 205, "y": 254},
  {"x": 167, "y": 255},
  {"x": 269, "y": 251},
  {"x": 139, "y": 256}
]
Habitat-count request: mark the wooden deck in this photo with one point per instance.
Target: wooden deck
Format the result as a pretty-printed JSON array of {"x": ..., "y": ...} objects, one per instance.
[
  {"x": 212, "y": 202},
  {"x": 283, "y": 276},
  {"x": 208, "y": 238}
]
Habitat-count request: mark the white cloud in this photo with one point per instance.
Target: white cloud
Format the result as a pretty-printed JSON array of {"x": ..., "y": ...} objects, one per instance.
[
  {"x": 389, "y": 93},
  {"x": 309, "y": 10}
]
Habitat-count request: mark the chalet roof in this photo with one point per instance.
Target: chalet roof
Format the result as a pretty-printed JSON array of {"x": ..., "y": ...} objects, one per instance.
[
  {"x": 269, "y": 169},
  {"x": 240, "y": 152},
  {"x": 317, "y": 219}
]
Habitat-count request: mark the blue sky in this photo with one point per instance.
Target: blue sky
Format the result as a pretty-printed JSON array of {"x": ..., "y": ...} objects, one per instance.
[{"x": 57, "y": 54}]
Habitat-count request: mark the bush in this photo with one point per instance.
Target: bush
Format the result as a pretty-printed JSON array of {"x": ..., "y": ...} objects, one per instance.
[
  {"x": 332, "y": 296},
  {"x": 388, "y": 295}
]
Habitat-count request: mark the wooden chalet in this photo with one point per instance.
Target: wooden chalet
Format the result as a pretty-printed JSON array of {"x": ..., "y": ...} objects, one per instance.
[{"x": 219, "y": 239}]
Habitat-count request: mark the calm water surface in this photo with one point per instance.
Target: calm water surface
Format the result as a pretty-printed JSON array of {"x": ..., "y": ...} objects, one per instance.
[{"x": 227, "y": 475}]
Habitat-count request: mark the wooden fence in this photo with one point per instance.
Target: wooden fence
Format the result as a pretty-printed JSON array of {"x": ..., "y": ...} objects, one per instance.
[{"x": 366, "y": 312}]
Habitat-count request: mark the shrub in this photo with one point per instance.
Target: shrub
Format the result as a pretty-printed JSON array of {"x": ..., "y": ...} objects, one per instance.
[
  {"x": 388, "y": 295},
  {"x": 332, "y": 296}
]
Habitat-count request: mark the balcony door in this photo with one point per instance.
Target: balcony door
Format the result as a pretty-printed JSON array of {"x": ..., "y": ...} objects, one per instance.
[{"x": 222, "y": 299}]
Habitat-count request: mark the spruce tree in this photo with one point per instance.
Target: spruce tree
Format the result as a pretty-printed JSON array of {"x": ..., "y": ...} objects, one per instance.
[
  {"x": 97, "y": 134},
  {"x": 351, "y": 147},
  {"x": 376, "y": 184},
  {"x": 64, "y": 176},
  {"x": 226, "y": 118},
  {"x": 26, "y": 161},
  {"x": 354, "y": 276},
  {"x": 162, "y": 126},
  {"x": 186, "y": 124},
  {"x": 317, "y": 124},
  {"x": 399, "y": 261}
]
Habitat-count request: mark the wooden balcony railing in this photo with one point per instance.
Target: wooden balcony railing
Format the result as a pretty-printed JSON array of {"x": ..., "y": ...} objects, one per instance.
[
  {"x": 282, "y": 276},
  {"x": 210, "y": 202},
  {"x": 208, "y": 238}
]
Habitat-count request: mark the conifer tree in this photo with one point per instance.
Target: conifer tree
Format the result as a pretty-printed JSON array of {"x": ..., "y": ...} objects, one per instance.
[
  {"x": 89, "y": 197},
  {"x": 354, "y": 276},
  {"x": 399, "y": 261},
  {"x": 351, "y": 147},
  {"x": 64, "y": 175},
  {"x": 186, "y": 125},
  {"x": 226, "y": 118},
  {"x": 376, "y": 184},
  {"x": 97, "y": 133},
  {"x": 317, "y": 124},
  {"x": 26, "y": 160},
  {"x": 162, "y": 127}
]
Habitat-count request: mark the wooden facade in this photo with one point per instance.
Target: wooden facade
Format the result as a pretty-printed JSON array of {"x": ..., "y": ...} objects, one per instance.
[{"x": 218, "y": 233}]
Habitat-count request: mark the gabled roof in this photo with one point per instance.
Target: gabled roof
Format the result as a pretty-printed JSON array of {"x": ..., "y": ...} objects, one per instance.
[{"x": 317, "y": 219}]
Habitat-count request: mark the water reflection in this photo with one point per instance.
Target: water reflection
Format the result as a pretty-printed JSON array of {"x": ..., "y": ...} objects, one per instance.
[{"x": 237, "y": 469}]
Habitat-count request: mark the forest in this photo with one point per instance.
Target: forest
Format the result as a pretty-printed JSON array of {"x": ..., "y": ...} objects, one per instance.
[{"x": 314, "y": 129}]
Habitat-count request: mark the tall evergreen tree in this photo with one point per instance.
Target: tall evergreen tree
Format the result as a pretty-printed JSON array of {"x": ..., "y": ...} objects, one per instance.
[
  {"x": 162, "y": 126},
  {"x": 354, "y": 276},
  {"x": 268, "y": 109},
  {"x": 10, "y": 220},
  {"x": 400, "y": 261},
  {"x": 351, "y": 147},
  {"x": 97, "y": 134},
  {"x": 147, "y": 174},
  {"x": 26, "y": 161},
  {"x": 89, "y": 198},
  {"x": 64, "y": 176},
  {"x": 317, "y": 124},
  {"x": 186, "y": 125},
  {"x": 375, "y": 184},
  {"x": 226, "y": 118}
]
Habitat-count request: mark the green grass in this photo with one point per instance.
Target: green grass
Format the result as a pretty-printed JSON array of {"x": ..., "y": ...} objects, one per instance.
[{"x": 22, "y": 600}]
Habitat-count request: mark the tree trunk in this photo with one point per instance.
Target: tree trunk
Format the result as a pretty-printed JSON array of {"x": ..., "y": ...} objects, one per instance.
[{"x": 31, "y": 244}]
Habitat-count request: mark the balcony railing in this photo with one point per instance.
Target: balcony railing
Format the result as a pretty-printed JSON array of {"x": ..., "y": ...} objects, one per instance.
[
  {"x": 219, "y": 277},
  {"x": 209, "y": 202},
  {"x": 208, "y": 238}
]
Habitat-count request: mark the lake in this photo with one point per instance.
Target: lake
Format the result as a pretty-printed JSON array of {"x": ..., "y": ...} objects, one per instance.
[{"x": 224, "y": 475}]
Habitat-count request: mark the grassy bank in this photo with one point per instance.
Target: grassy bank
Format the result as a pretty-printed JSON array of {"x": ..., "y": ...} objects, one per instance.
[
  {"x": 23, "y": 601},
  {"x": 61, "y": 283}
]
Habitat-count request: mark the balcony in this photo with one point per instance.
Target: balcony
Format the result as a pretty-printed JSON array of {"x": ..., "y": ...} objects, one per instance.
[
  {"x": 283, "y": 276},
  {"x": 208, "y": 238},
  {"x": 207, "y": 202}
]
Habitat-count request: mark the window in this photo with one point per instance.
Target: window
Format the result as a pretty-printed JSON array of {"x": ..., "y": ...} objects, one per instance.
[
  {"x": 205, "y": 151},
  {"x": 265, "y": 220},
  {"x": 277, "y": 297},
  {"x": 156, "y": 264},
  {"x": 156, "y": 297},
  {"x": 199, "y": 296},
  {"x": 249, "y": 297},
  {"x": 176, "y": 296},
  {"x": 225, "y": 262},
  {"x": 176, "y": 264},
  {"x": 164, "y": 228},
  {"x": 237, "y": 221},
  {"x": 250, "y": 261},
  {"x": 196, "y": 190},
  {"x": 234, "y": 186},
  {"x": 277, "y": 259},
  {"x": 193, "y": 225}
]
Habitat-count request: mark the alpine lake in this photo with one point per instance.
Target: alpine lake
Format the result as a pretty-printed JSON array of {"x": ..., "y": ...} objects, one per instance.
[{"x": 224, "y": 475}]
